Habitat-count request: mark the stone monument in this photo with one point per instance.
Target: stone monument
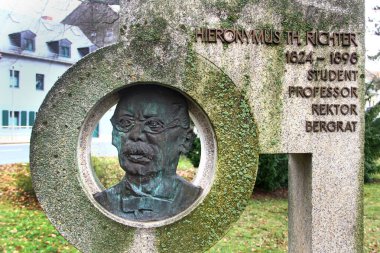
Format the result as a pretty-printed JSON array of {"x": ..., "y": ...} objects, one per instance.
[{"x": 256, "y": 77}]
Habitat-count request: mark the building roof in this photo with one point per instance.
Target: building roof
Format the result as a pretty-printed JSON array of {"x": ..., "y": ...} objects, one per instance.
[
  {"x": 46, "y": 30},
  {"x": 110, "y": 2},
  {"x": 98, "y": 20}
]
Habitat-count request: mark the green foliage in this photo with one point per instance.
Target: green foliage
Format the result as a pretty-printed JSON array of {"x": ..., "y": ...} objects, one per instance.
[
  {"x": 273, "y": 169},
  {"x": 372, "y": 143},
  {"x": 262, "y": 228},
  {"x": 24, "y": 230},
  {"x": 273, "y": 172},
  {"x": 107, "y": 170},
  {"x": 185, "y": 168},
  {"x": 109, "y": 173},
  {"x": 184, "y": 164},
  {"x": 24, "y": 182},
  {"x": 195, "y": 153},
  {"x": 372, "y": 215}
]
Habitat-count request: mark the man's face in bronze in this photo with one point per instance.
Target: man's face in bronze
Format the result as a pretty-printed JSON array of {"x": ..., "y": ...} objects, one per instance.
[{"x": 149, "y": 132}]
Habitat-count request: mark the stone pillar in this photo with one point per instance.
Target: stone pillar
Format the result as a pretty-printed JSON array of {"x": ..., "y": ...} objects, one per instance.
[
  {"x": 300, "y": 203},
  {"x": 325, "y": 202}
]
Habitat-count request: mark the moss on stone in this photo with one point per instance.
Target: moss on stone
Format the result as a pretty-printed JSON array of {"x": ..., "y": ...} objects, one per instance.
[
  {"x": 152, "y": 32},
  {"x": 228, "y": 11},
  {"x": 147, "y": 38},
  {"x": 123, "y": 30},
  {"x": 272, "y": 103},
  {"x": 237, "y": 140},
  {"x": 208, "y": 86},
  {"x": 236, "y": 165},
  {"x": 110, "y": 69},
  {"x": 55, "y": 170},
  {"x": 298, "y": 17}
]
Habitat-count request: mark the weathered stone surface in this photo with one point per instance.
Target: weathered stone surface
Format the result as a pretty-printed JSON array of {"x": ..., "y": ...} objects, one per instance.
[
  {"x": 227, "y": 82},
  {"x": 56, "y": 165},
  {"x": 335, "y": 174}
]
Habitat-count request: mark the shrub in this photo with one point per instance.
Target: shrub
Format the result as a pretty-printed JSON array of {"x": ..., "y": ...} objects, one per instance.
[
  {"x": 273, "y": 172},
  {"x": 273, "y": 169},
  {"x": 372, "y": 143},
  {"x": 195, "y": 153},
  {"x": 24, "y": 181},
  {"x": 107, "y": 170}
]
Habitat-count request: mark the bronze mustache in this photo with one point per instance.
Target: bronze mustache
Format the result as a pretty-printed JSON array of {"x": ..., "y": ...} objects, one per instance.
[{"x": 139, "y": 148}]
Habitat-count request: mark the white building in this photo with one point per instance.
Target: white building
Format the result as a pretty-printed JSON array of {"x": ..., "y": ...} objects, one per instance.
[{"x": 34, "y": 52}]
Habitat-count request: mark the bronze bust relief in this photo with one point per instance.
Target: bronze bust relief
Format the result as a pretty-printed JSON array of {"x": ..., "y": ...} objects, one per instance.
[{"x": 151, "y": 128}]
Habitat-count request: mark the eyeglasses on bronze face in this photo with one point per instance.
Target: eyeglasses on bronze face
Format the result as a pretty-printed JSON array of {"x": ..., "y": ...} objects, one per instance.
[{"x": 150, "y": 125}]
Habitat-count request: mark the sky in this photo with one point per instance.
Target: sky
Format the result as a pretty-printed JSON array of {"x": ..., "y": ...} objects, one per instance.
[
  {"x": 58, "y": 9},
  {"x": 372, "y": 41}
]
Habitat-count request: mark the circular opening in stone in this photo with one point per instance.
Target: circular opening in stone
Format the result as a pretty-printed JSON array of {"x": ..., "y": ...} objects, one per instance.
[{"x": 150, "y": 133}]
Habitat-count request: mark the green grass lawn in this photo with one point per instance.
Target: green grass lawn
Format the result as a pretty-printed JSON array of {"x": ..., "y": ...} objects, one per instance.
[
  {"x": 372, "y": 216},
  {"x": 23, "y": 230},
  {"x": 261, "y": 228}
]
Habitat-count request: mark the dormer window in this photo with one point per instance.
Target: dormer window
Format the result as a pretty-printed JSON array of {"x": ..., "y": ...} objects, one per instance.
[
  {"x": 60, "y": 47},
  {"x": 64, "y": 51},
  {"x": 83, "y": 51},
  {"x": 29, "y": 44},
  {"x": 24, "y": 40}
]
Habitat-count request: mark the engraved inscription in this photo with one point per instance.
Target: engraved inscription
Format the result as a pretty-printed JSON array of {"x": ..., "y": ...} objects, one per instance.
[{"x": 325, "y": 83}]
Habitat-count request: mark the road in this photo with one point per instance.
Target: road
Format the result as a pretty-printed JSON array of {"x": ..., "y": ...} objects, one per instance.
[
  {"x": 14, "y": 153},
  {"x": 19, "y": 153}
]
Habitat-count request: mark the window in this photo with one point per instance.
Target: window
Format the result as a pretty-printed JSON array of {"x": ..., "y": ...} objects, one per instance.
[
  {"x": 64, "y": 51},
  {"x": 24, "y": 40},
  {"x": 5, "y": 118},
  {"x": 40, "y": 81},
  {"x": 83, "y": 51},
  {"x": 60, "y": 47},
  {"x": 96, "y": 131},
  {"x": 14, "y": 78},
  {"x": 17, "y": 118},
  {"x": 23, "y": 118},
  {"x": 28, "y": 44},
  {"x": 31, "y": 118},
  {"x": 14, "y": 118}
]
